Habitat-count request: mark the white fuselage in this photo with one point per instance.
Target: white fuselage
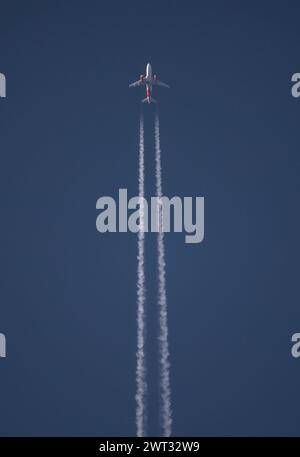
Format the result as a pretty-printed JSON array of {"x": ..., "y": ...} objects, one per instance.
[
  {"x": 148, "y": 71},
  {"x": 148, "y": 80}
]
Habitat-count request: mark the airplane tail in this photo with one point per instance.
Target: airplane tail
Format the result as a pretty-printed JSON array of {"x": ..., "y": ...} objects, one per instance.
[{"x": 149, "y": 100}]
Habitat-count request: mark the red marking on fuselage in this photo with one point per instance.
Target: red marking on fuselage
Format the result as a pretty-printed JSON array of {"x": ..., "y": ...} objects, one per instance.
[{"x": 148, "y": 92}]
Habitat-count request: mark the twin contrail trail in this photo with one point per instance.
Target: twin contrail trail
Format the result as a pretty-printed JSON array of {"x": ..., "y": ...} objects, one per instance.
[
  {"x": 164, "y": 354},
  {"x": 141, "y": 384}
]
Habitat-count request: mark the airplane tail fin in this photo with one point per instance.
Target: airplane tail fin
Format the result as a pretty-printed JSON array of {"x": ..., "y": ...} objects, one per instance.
[{"x": 149, "y": 100}]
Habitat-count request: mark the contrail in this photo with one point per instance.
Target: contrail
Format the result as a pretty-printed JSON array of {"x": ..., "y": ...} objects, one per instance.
[
  {"x": 141, "y": 384},
  {"x": 164, "y": 354}
]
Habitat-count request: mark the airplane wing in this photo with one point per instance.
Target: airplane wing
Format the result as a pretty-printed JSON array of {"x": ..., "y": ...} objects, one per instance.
[
  {"x": 160, "y": 83},
  {"x": 140, "y": 82}
]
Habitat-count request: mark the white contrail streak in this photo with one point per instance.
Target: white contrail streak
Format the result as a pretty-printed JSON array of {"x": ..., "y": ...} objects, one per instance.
[
  {"x": 141, "y": 385},
  {"x": 164, "y": 354}
]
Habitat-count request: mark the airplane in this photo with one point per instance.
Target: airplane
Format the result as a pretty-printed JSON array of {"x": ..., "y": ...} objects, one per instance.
[{"x": 148, "y": 80}]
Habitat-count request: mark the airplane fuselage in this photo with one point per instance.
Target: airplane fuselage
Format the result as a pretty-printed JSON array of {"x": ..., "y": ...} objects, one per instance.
[
  {"x": 148, "y": 82},
  {"x": 148, "y": 71}
]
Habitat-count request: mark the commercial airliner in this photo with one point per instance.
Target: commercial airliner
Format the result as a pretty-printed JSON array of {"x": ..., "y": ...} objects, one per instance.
[{"x": 148, "y": 81}]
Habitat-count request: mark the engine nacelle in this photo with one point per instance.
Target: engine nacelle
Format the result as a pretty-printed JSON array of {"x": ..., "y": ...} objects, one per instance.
[
  {"x": 142, "y": 77},
  {"x": 155, "y": 77}
]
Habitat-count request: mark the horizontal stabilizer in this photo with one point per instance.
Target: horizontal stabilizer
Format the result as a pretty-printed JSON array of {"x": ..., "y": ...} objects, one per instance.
[{"x": 149, "y": 100}]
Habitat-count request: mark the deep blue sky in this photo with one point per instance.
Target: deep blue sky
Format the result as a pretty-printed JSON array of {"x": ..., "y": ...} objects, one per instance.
[{"x": 69, "y": 134}]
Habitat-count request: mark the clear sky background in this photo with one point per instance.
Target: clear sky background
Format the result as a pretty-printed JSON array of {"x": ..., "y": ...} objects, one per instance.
[{"x": 69, "y": 134}]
